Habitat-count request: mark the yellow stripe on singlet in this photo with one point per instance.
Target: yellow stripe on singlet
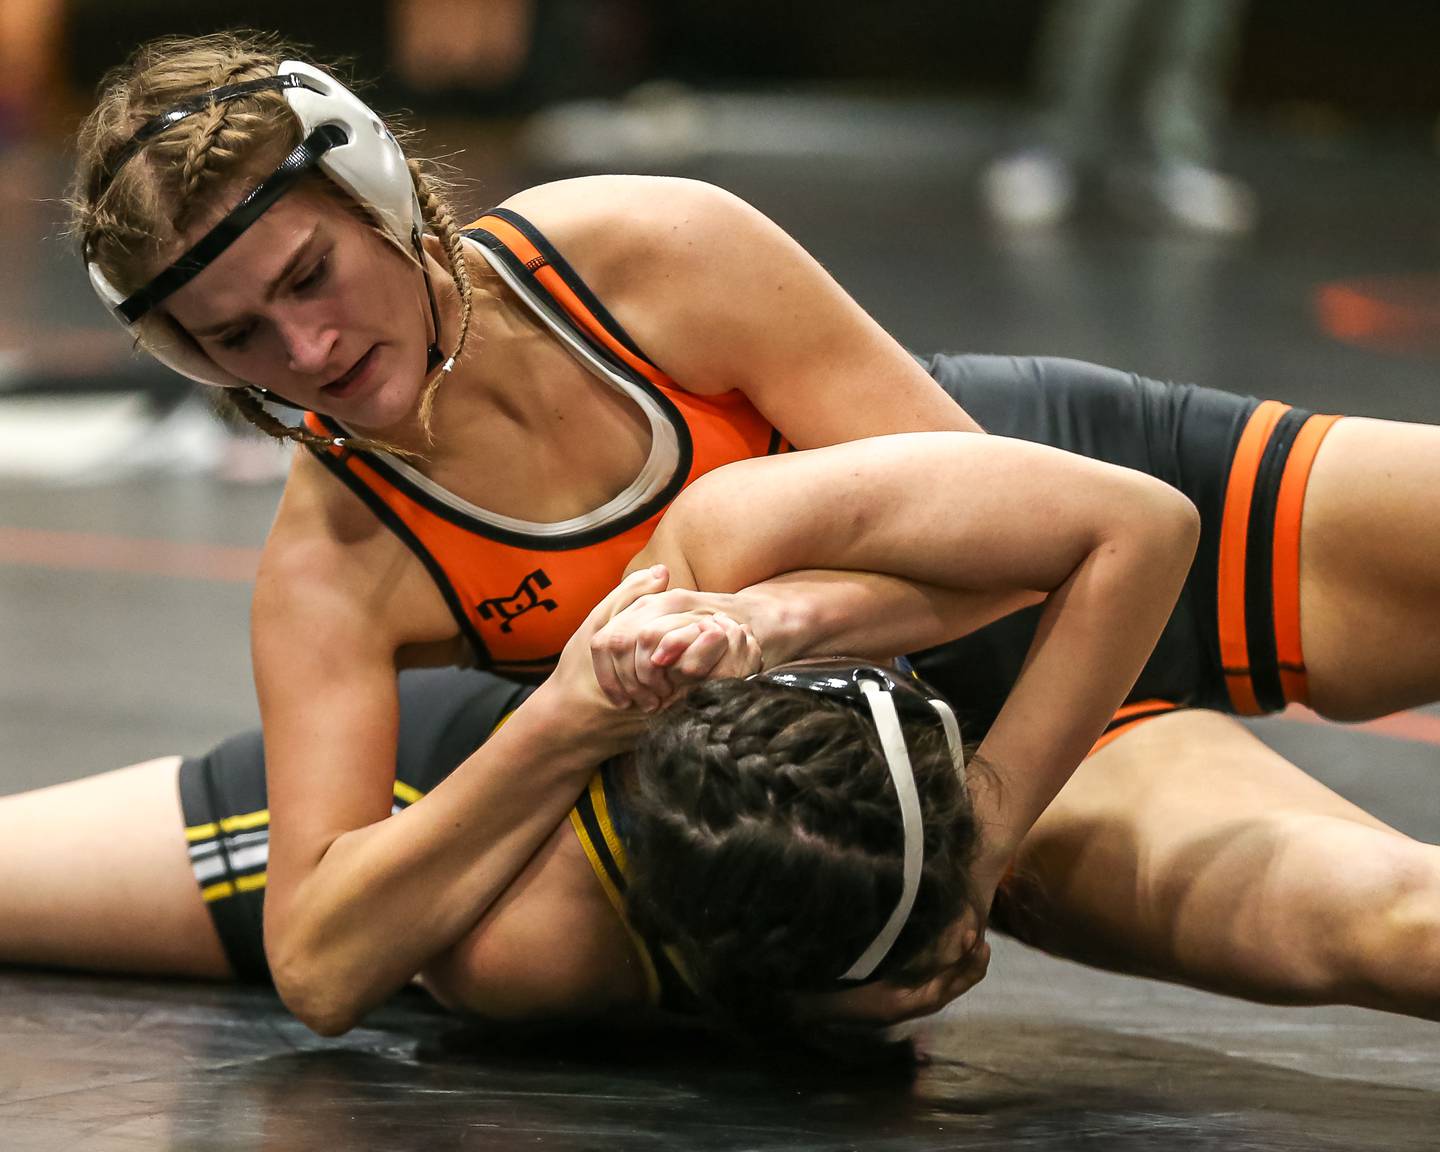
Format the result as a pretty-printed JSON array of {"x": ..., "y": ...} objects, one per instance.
[
  {"x": 597, "y": 865},
  {"x": 227, "y": 888},
  {"x": 406, "y": 792},
  {"x": 243, "y": 823}
]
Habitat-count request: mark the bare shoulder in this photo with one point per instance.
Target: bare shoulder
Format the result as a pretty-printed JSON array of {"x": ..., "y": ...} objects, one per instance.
[
  {"x": 723, "y": 299},
  {"x": 551, "y": 946},
  {"x": 614, "y": 226}
]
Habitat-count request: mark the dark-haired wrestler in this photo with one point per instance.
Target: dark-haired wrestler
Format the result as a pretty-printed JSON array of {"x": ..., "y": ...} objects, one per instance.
[{"x": 853, "y": 507}]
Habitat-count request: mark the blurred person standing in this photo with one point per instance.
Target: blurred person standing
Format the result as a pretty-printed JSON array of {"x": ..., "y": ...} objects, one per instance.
[{"x": 1088, "y": 50}]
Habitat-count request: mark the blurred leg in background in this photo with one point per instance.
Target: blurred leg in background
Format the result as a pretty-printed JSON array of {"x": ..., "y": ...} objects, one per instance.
[
  {"x": 1183, "y": 109},
  {"x": 1090, "y": 56}
]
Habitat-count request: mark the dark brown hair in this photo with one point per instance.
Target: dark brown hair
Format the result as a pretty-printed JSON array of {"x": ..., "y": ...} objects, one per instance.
[{"x": 766, "y": 844}]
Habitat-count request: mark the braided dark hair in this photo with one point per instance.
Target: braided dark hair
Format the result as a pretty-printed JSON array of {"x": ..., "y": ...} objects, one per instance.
[{"x": 766, "y": 844}]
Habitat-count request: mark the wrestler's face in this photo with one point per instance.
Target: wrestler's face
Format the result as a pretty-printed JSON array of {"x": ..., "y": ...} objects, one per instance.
[{"x": 314, "y": 304}]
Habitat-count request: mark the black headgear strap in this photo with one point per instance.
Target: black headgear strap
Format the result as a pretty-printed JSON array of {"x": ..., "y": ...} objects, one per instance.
[
  {"x": 233, "y": 226},
  {"x": 841, "y": 679},
  {"x": 187, "y": 108}
]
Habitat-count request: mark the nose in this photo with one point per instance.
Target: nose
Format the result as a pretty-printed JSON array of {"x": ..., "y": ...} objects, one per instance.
[{"x": 309, "y": 343}]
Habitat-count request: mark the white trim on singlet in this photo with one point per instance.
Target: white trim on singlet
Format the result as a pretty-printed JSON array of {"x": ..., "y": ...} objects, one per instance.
[{"x": 653, "y": 477}]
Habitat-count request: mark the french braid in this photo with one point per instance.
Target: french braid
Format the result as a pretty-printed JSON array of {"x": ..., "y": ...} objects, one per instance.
[
  {"x": 766, "y": 843},
  {"x": 244, "y": 403},
  {"x": 439, "y": 220}
]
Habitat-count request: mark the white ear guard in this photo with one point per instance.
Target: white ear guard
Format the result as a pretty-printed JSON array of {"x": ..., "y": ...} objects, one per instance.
[
  {"x": 369, "y": 165},
  {"x": 343, "y": 137}
]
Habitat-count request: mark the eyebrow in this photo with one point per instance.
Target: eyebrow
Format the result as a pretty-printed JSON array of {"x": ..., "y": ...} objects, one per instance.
[{"x": 296, "y": 259}]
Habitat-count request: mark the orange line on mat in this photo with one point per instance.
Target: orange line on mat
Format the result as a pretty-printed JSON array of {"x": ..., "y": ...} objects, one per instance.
[
  {"x": 1423, "y": 727},
  {"x": 96, "y": 552}
]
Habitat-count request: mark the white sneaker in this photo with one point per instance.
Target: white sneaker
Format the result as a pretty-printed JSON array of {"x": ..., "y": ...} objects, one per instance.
[
  {"x": 1205, "y": 200},
  {"x": 1028, "y": 189}
]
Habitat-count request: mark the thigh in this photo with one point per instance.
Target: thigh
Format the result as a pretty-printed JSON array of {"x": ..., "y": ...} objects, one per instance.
[
  {"x": 1188, "y": 851},
  {"x": 1370, "y": 569},
  {"x": 97, "y": 876}
]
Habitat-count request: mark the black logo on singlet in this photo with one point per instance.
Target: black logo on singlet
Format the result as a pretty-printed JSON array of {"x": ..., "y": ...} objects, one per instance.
[{"x": 527, "y": 597}]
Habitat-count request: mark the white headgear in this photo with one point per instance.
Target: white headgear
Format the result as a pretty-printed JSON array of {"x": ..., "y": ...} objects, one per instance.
[{"x": 342, "y": 136}]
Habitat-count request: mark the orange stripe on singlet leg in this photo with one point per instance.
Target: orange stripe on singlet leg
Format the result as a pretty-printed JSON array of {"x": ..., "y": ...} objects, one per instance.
[
  {"x": 1285, "y": 565},
  {"x": 1234, "y": 530},
  {"x": 543, "y": 271},
  {"x": 1129, "y": 717}
]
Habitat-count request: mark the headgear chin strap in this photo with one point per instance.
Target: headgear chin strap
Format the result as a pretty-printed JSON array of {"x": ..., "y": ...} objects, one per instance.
[
  {"x": 885, "y": 694},
  {"x": 344, "y": 139}
]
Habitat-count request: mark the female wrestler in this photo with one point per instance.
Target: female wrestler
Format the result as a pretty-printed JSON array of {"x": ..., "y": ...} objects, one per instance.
[
  {"x": 257, "y": 228},
  {"x": 648, "y": 248}
]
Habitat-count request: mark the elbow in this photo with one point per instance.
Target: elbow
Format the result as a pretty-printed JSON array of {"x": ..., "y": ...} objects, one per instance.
[{"x": 313, "y": 996}]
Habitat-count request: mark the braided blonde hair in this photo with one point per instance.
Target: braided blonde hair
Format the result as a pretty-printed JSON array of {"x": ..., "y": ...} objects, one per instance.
[{"x": 126, "y": 220}]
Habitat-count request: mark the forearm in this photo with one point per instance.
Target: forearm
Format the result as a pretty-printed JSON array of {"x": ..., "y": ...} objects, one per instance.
[
  {"x": 826, "y": 613},
  {"x": 1094, "y": 636},
  {"x": 387, "y": 897}
]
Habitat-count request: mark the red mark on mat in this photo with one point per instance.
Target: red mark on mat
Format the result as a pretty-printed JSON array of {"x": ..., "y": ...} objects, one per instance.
[{"x": 1391, "y": 313}]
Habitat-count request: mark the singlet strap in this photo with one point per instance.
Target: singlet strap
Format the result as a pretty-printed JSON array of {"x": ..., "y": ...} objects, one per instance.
[{"x": 522, "y": 245}]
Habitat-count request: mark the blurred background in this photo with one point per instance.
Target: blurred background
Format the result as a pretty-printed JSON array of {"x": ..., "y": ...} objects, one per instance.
[{"x": 1245, "y": 196}]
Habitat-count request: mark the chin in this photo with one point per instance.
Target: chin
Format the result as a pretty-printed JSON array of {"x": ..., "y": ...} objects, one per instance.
[{"x": 391, "y": 408}]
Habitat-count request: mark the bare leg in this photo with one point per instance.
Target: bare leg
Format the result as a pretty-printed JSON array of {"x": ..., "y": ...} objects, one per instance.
[
  {"x": 1190, "y": 852},
  {"x": 96, "y": 875},
  {"x": 1370, "y": 569}
]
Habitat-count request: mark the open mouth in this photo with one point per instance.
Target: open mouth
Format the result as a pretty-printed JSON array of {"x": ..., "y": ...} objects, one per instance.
[{"x": 344, "y": 385}]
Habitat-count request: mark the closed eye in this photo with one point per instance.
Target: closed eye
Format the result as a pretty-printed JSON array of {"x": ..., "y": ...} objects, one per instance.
[
  {"x": 236, "y": 338},
  {"x": 314, "y": 277}
]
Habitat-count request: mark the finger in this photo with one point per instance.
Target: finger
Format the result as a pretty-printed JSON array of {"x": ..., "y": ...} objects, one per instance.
[
  {"x": 627, "y": 671},
  {"x": 613, "y": 654},
  {"x": 702, "y": 657},
  {"x": 654, "y": 687},
  {"x": 742, "y": 656},
  {"x": 654, "y": 677},
  {"x": 645, "y": 581},
  {"x": 673, "y": 646},
  {"x": 605, "y": 676}
]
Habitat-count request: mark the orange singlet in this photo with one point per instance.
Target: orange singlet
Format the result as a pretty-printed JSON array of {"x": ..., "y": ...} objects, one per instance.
[{"x": 518, "y": 590}]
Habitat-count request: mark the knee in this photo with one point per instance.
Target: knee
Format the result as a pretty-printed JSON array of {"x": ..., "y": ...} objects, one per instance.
[{"x": 1389, "y": 954}]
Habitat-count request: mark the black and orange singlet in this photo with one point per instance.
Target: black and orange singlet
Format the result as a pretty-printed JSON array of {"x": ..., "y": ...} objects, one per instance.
[{"x": 519, "y": 589}]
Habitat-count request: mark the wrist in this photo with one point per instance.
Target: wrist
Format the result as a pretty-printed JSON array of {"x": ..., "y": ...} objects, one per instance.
[
  {"x": 582, "y": 723},
  {"x": 782, "y": 622}
]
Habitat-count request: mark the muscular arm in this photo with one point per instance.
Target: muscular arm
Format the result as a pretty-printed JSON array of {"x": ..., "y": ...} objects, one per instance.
[
  {"x": 990, "y": 520},
  {"x": 357, "y": 901}
]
